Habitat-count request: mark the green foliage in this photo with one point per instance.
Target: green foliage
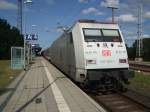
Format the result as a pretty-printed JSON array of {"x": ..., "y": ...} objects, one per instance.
[
  {"x": 140, "y": 83},
  {"x": 145, "y": 51},
  {"x": 131, "y": 52},
  {"x": 9, "y": 36}
]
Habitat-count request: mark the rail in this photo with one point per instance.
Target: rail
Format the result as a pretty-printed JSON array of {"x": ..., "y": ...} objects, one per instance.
[
  {"x": 118, "y": 102},
  {"x": 141, "y": 67}
]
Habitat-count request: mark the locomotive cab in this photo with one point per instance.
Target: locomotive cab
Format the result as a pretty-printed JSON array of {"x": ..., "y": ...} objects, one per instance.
[
  {"x": 92, "y": 53},
  {"x": 101, "y": 56}
]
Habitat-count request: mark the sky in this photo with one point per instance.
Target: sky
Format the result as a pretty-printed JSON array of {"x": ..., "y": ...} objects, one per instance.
[{"x": 46, "y": 16}]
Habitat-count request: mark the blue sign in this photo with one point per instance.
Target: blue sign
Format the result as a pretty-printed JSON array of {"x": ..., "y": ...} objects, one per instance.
[
  {"x": 31, "y": 37},
  {"x": 34, "y": 37}
]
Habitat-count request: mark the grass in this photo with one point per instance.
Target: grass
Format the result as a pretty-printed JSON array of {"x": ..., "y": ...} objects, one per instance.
[
  {"x": 141, "y": 83},
  {"x": 6, "y": 73}
]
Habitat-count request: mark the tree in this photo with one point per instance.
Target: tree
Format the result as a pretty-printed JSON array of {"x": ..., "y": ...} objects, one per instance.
[
  {"x": 131, "y": 52},
  {"x": 145, "y": 51},
  {"x": 9, "y": 36}
]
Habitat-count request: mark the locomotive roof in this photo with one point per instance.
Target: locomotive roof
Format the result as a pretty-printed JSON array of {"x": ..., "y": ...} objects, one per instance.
[
  {"x": 89, "y": 21},
  {"x": 94, "y": 21}
]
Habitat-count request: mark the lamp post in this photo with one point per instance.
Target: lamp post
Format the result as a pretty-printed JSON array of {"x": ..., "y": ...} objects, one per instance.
[
  {"x": 33, "y": 33},
  {"x": 140, "y": 33},
  {"x": 113, "y": 11},
  {"x": 25, "y": 3}
]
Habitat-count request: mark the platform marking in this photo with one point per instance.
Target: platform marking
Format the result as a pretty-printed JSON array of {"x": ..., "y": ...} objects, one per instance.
[
  {"x": 61, "y": 103},
  {"x": 101, "y": 109}
]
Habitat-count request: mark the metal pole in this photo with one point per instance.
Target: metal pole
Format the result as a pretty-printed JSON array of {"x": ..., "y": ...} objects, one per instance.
[
  {"x": 19, "y": 16},
  {"x": 139, "y": 33},
  {"x": 33, "y": 32},
  {"x": 24, "y": 53},
  {"x": 24, "y": 35},
  {"x": 30, "y": 52},
  {"x": 25, "y": 47},
  {"x": 113, "y": 13},
  {"x": 139, "y": 43}
]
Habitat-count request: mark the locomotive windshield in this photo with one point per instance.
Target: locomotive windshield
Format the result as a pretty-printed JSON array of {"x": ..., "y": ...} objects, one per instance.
[
  {"x": 92, "y": 35},
  {"x": 101, "y": 35}
]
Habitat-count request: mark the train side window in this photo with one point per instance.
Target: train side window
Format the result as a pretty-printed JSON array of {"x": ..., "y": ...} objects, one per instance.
[{"x": 70, "y": 38}]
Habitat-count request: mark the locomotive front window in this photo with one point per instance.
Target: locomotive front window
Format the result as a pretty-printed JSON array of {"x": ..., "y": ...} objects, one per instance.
[
  {"x": 92, "y": 35},
  {"x": 92, "y": 32},
  {"x": 101, "y": 35},
  {"x": 111, "y": 35}
]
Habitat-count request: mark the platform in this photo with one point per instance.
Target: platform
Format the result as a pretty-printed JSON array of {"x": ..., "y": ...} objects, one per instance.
[{"x": 43, "y": 88}]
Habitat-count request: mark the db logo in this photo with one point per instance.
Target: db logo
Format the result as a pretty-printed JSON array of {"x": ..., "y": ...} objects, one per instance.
[{"x": 106, "y": 53}]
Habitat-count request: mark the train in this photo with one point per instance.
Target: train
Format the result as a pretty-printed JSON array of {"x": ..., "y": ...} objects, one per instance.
[{"x": 93, "y": 54}]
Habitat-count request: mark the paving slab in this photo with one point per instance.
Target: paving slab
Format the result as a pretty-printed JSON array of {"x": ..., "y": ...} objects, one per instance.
[
  {"x": 31, "y": 95},
  {"x": 75, "y": 98},
  {"x": 45, "y": 89}
]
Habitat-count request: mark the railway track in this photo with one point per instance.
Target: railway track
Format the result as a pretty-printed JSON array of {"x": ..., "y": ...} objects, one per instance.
[
  {"x": 141, "y": 67},
  {"x": 117, "y": 102}
]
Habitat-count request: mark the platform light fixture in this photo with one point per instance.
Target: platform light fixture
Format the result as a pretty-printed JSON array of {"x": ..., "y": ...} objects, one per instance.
[
  {"x": 25, "y": 3},
  {"x": 28, "y": 1},
  {"x": 113, "y": 6}
]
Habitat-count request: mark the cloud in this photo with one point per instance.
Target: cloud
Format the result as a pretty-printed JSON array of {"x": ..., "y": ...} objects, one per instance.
[
  {"x": 130, "y": 37},
  {"x": 127, "y": 18},
  {"x": 123, "y": 6},
  {"x": 5, "y": 5},
  {"x": 92, "y": 10},
  {"x": 134, "y": 37},
  {"x": 147, "y": 14},
  {"x": 107, "y": 3},
  {"x": 83, "y": 1},
  {"x": 110, "y": 19},
  {"x": 99, "y": 13},
  {"x": 89, "y": 10},
  {"x": 50, "y": 2},
  {"x": 86, "y": 1},
  {"x": 146, "y": 36},
  {"x": 103, "y": 4}
]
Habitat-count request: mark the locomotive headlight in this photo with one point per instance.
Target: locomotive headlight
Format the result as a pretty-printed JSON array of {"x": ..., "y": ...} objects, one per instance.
[
  {"x": 90, "y": 61},
  {"x": 122, "y": 60},
  {"x": 82, "y": 76}
]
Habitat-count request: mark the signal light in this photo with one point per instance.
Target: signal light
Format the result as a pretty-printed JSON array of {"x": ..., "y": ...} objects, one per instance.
[
  {"x": 91, "y": 61},
  {"x": 122, "y": 60},
  {"x": 82, "y": 76}
]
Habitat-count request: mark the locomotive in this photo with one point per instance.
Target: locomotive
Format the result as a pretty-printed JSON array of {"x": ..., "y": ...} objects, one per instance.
[{"x": 93, "y": 54}]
